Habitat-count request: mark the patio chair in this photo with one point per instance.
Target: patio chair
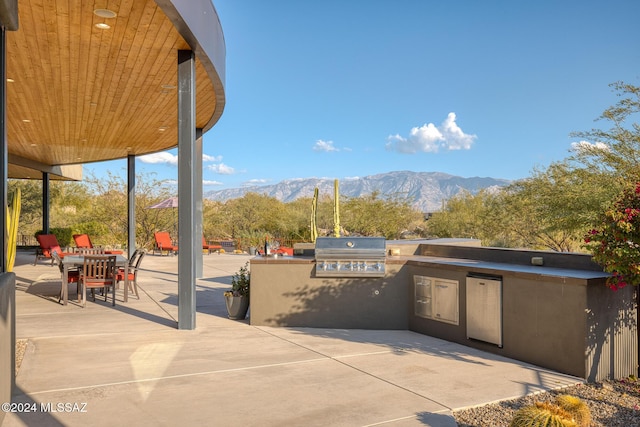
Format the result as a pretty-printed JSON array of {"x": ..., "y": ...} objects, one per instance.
[
  {"x": 48, "y": 244},
  {"x": 134, "y": 266},
  {"x": 210, "y": 248},
  {"x": 98, "y": 271},
  {"x": 73, "y": 276},
  {"x": 164, "y": 243},
  {"x": 284, "y": 250},
  {"x": 83, "y": 241}
]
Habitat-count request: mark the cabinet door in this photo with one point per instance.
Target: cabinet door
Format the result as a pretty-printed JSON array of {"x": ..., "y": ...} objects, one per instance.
[
  {"x": 484, "y": 310},
  {"x": 436, "y": 299},
  {"x": 445, "y": 299},
  {"x": 422, "y": 286}
]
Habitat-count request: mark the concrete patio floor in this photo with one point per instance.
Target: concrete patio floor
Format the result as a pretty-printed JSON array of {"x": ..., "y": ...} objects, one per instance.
[{"x": 130, "y": 365}]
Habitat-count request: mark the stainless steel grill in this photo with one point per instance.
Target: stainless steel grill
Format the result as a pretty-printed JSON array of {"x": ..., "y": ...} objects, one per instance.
[{"x": 350, "y": 256}]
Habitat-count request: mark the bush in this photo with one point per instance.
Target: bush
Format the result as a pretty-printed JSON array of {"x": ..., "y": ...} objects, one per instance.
[{"x": 63, "y": 235}]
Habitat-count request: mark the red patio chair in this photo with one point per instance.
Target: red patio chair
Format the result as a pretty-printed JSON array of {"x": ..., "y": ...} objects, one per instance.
[
  {"x": 98, "y": 271},
  {"x": 83, "y": 241},
  {"x": 48, "y": 244},
  {"x": 210, "y": 248},
  {"x": 284, "y": 250},
  {"x": 164, "y": 243},
  {"x": 134, "y": 266},
  {"x": 73, "y": 276}
]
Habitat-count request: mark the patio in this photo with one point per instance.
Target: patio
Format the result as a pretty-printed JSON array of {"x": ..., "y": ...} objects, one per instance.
[{"x": 130, "y": 364}]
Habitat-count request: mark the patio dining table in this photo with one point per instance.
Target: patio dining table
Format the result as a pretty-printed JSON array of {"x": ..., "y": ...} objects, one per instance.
[{"x": 70, "y": 261}]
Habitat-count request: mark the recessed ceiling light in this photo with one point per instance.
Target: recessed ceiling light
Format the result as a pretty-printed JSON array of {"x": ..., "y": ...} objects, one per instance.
[
  {"x": 33, "y": 145},
  {"x": 26, "y": 120},
  {"x": 162, "y": 128},
  {"x": 103, "y": 26},
  {"x": 10, "y": 80},
  {"x": 105, "y": 13},
  {"x": 168, "y": 87}
]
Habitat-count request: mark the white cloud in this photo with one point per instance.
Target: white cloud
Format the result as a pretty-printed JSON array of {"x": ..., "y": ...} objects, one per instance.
[
  {"x": 222, "y": 169},
  {"x": 208, "y": 158},
  {"x": 587, "y": 146},
  {"x": 430, "y": 138},
  {"x": 157, "y": 158},
  {"x": 206, "y": 182},
  {"x": 326, "y": 146}
]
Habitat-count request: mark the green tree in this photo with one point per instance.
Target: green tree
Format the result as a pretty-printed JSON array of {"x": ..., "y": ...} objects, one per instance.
[
  {"x": 371, "y": 215},
  {"x": 464, "y": 216},
  {"x": 214, "y": 221},
  {"x": 615, "y": 152},
  {"x": 253, "y": 215},
  {"x": 555, "y": 206},
  {"x": 106, "y": 218},
  {"x": 31, "y": 206}
]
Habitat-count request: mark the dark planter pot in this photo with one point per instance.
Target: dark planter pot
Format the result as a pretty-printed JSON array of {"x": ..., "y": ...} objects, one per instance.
[{"x": 237, "y": 307}]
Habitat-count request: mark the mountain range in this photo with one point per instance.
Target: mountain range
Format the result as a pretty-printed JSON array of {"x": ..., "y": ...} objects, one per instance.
[{"x": 427, "y": 190}]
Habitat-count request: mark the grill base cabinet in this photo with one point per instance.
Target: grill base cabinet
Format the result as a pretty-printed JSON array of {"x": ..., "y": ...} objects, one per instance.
[{"x": 484, "y": 309}]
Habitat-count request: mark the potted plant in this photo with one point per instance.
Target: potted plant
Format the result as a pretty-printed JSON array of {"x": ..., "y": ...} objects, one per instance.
[
  {"x": 237, "y": 299},
  {"x": 252, "y": 240}
]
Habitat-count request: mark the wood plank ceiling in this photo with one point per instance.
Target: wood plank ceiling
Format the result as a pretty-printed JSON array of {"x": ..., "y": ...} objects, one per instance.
[{"x": 77, "y": 93}]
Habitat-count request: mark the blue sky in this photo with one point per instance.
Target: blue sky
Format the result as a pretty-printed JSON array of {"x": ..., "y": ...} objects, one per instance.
[{"x": 350, "y": 88}]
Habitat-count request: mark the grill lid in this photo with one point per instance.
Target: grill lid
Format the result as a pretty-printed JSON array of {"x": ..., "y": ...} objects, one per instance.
[
  {"x": 350, "y": 256},
  {"x": 350, "y": 247}
]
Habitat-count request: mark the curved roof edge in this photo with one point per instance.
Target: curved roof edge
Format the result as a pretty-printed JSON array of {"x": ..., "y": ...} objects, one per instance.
[{"x": 198, "y": 23}]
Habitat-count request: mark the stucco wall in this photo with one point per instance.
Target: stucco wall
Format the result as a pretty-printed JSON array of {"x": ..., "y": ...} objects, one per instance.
[
  {"x": 287, "y": 294},
  {"x": 7, "y": 337},
  {"x": 569, "y": 324}
]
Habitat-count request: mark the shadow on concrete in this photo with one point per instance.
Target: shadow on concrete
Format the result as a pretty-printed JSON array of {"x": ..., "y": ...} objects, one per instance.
[{"x": 33, "y": 413}]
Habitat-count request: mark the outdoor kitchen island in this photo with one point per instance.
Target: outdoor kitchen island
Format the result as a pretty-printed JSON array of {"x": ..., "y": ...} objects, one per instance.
[
  {"x": 304, "y": 291},
  {"x": 549, "y": 309}
]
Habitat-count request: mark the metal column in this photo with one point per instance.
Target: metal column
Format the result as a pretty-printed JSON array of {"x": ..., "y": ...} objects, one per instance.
[
  {"x": 198, "y": 199},
  {"x": 131, "y": 204},
  {"x": 46, "y": 202},
  {"x": 186, "y": 190}
]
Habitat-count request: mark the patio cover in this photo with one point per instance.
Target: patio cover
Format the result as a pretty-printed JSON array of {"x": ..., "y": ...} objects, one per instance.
[{"x": 77, "y": 93}]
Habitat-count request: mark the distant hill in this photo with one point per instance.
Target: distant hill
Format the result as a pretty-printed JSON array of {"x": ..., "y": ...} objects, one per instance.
[{"x": 427, "y": 189}]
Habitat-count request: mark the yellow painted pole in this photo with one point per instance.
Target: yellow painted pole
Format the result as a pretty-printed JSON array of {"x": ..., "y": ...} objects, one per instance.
[{"x": 336, "y": 209}]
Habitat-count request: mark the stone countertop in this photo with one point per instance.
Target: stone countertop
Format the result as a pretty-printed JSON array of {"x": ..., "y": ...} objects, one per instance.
[
  {"x": 487, "y": 267},
  {"x": 498, "y": 268}
]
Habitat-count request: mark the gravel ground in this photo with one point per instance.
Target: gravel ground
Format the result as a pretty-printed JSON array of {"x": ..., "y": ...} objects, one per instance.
[
  {"x": 21, "y": 346},
  {"x": 612, "y": 404}
]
